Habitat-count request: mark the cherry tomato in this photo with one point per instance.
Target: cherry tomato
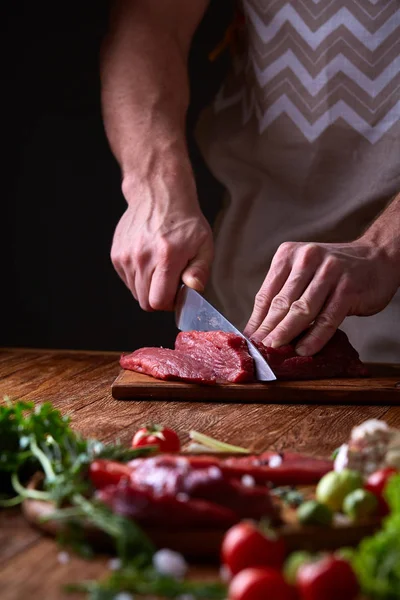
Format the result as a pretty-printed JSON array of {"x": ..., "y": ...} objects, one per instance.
[
  {"x": 155, "y": 435},
  {"x": 107, "y": 472},
  {"x": 330, "y": 578},
  {"x": 245, "y": 546},
  {"x": 260, "y": 584},
  {"x": 376, "y": 483}
]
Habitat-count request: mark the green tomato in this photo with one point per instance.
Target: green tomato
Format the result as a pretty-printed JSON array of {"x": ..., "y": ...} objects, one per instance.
[
  {"x": 360, "y": 504},
  {"x": 313, "y": 512},
  {"x": 293, "y": 564},
  {"x": 334, "y": 487}
]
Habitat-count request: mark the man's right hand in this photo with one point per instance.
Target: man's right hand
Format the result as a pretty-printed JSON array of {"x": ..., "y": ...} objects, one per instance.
[{"x": 162, "y": 239}]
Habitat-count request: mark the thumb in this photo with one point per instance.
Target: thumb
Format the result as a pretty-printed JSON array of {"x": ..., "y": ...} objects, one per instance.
[{"x": 197, "y": 271}]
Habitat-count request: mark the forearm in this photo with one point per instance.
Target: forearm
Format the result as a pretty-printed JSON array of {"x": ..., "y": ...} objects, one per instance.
[
  {"x": 145, "y": 90},
  {"x": 384, "y": 233}
]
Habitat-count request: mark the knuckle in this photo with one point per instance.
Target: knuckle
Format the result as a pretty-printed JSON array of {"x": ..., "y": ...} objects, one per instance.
[
  {"x": 309, "y": 252},
  {"x": 287, "y": 248},
  {"x": 164, "y": 251},
  {"x": 122, "y": 258},
  {"x": 326, "y": 321},
  {"x": 115, "y": 259},
  {"x": 261, "y": 300},
  {"x": 301, "y": 307},
  {"x": 331, "y": 265},
  {"x": 280, "y": 303}
]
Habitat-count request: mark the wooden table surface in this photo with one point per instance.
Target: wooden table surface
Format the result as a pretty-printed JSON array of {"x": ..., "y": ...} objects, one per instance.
[{"x": 78, "y": 383}]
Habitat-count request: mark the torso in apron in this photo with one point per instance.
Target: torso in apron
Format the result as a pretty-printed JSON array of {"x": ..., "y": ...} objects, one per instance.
[{"x": 305, "y": 137}]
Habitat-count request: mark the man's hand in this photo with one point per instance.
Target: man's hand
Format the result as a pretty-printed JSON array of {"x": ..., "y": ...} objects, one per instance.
[
  {"x": 319, "y": 285},
  {"x": 163, "y": 236},
  {"x": 159, "y": 243}
]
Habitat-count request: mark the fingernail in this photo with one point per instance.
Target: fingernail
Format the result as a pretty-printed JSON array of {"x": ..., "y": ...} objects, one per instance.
[
  {"x": 275, "y": 343},
  {"x": 302, "y": 350},
  {"x": 195, "y": 283}
]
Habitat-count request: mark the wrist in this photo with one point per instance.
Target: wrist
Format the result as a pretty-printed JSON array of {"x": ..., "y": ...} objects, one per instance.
[
  {"x": 164, "y": 176},
  {"x": 385, "y": 244}
]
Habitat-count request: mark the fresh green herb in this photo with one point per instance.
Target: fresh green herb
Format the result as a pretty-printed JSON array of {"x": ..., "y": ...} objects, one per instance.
[
  {"x": 377, "y": 559},
  {"x": 146, "y": 582},
  {"x": 39, "y": 439},
  {"x": 216, "y": 445},
  {"x": 127, "y": 538}
]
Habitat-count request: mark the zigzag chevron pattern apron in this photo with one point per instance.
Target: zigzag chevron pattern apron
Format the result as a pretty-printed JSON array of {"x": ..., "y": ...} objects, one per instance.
[{"x": 305, "y": 137}]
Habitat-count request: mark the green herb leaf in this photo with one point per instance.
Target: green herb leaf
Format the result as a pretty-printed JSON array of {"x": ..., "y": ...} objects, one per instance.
[
  {"x": 147, "y": 582},
  {"x": 377, "y": 559}
]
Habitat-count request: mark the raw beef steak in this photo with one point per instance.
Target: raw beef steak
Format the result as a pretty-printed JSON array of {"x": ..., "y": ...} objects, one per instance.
[
  {"x": 286, "y": 468},
  {"x": 225, "y": 353},
  {"x": 215, "y": 356},
  {"x": 169, "y": 491},
  {"x": 337, "y": 359},
  {"x": 163, "y": 363}
]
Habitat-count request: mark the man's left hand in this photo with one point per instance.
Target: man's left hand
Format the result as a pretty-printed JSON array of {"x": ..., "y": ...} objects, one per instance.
[{"x": 318, "y": 285}]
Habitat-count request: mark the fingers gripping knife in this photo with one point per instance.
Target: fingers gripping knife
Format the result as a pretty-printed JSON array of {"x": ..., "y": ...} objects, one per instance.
[{"x": 194, "y": 313}]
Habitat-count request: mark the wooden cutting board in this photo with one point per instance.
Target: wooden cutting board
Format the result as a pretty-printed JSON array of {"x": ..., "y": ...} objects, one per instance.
[{"x": 382, "y": 387}]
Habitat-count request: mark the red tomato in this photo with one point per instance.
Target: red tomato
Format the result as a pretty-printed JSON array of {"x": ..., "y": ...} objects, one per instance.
[
  {"x": 376, "y": 483},
  {"x": 107, "y": 472},
  {"x": 155, "y": 435},
  {"x": 245, "y": 546},
  {"x": 330, "y": 578},
  {"x": 260, "y": 584}
]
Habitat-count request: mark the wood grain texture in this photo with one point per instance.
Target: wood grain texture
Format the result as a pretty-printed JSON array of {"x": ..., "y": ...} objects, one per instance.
[{"x": 79, "y": 383}]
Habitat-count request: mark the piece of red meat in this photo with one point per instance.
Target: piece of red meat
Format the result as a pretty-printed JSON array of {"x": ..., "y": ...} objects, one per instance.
[
  {"x": 175, "y": 476},
  {"x": 207, "y": 357},
  {"x": 167, "y": 364},
  {"x": 204, "y": 491},
  {"x": 225, "y": 353},
  {"x": 337, "y": 358},
  {"x": 164, "y": 511},
  {"x": 293, "y": 468}
]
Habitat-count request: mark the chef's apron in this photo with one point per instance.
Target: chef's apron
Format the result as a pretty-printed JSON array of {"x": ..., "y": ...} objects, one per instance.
[{"x": 305, "y": 137}]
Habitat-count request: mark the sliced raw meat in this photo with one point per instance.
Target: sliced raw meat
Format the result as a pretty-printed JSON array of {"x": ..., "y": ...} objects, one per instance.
[
  {"x": 169, "y": 490},
  {"x": 195, "y": 491},
  {"x": 207, "y": 357},
  {"x": 175, "y": 476},
  {"x": 225, "y": 353},
  {"x": 164, "y": 511},
  {"x": 338, "y": 358},
  {"x": 167, "y": 364},
  {"x": 287, "y": 468}
]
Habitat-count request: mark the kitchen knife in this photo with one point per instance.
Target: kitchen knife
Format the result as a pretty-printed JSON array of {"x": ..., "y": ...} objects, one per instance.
[{"x": 194, "y": 313}]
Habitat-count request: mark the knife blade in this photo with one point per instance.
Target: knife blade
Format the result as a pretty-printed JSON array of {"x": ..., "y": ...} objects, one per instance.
[{"x": 194, "y": 313}]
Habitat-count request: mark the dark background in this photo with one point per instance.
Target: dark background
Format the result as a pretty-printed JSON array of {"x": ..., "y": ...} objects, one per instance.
[{"x": 61, "y": 185}]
